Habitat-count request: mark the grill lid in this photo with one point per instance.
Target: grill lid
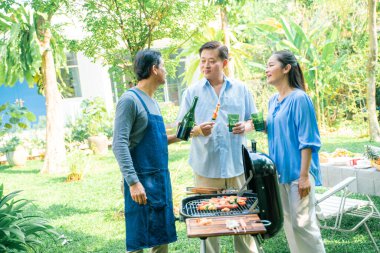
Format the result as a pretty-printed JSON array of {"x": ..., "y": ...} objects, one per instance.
[{"x": 265, "y": 185}]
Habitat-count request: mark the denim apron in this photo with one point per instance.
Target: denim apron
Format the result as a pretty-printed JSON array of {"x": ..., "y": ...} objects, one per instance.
[{"x": 152, "y": 224}]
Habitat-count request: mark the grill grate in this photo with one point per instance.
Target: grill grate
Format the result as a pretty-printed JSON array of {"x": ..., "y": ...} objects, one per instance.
[{"x": 190, "y": 209}]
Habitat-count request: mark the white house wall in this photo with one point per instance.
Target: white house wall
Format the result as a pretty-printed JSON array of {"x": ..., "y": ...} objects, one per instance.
[
  {"x": 94, "y": 78},
  {"x": 94, "y": 82}
]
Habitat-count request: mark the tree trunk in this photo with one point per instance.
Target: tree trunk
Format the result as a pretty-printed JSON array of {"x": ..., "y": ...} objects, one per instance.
[
  {"x": 224, "y": 20},
  {"x": 374, "y": 129},
  {"x": 55, "y": 155}
]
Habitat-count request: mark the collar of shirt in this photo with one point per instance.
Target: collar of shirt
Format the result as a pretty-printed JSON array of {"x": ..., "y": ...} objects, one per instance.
[
  {"x": 278, "y": 104},
  {"x": 226, "y": 80}
]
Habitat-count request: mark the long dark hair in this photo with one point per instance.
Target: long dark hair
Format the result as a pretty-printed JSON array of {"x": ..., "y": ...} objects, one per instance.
[
  {"x": 295, "y": 77},
  {"x": 144, "y": 62}
]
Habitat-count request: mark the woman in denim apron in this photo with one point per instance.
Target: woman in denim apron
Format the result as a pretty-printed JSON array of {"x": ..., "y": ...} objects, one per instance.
[{"x": 149, "y": 213}]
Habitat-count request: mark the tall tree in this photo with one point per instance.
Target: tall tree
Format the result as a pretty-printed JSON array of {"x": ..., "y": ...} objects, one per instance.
[
  {"x": 374, "y": 129},
  {"x": 119, "y": 29},
  {"x": 224, "y": 9},
  {"x": 315, "y": 49},
  {"x": 31, "y": 51},
  {"x": 227, "y": 41}
]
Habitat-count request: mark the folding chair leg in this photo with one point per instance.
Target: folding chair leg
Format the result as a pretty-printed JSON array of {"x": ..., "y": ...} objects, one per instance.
[
  {"x": 376, "y": 210},
  {"x": 371, "y": 236}
]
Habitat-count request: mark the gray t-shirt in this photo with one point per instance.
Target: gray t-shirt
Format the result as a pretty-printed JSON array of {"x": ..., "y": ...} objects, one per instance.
[{"x": 131, "y": 120}]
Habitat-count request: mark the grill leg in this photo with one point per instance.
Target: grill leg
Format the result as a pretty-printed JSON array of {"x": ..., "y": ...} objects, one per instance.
[
  {"x": 203, "y": 244},
  {"x": 258, "y": 244}
]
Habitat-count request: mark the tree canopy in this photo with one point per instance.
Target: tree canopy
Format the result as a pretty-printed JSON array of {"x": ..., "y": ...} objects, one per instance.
[{"x": 119, "y": 29}]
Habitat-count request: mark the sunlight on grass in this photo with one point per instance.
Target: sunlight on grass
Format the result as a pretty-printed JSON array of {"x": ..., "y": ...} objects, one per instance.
[{"x": 89, "y": 212}]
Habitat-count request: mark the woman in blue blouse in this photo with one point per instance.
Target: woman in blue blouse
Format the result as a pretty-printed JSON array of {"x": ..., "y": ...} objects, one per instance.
[{"x": 294, "y": 142}]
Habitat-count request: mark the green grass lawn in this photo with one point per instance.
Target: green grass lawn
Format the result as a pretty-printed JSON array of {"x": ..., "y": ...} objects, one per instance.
[{"x": 87, "y": 212}]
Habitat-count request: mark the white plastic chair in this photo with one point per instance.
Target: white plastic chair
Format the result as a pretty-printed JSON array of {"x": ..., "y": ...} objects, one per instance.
[{"x": 329, "y": 206}]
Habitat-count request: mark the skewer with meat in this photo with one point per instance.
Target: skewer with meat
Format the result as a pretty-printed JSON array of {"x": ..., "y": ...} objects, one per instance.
[{"x": 224, "y": 203}]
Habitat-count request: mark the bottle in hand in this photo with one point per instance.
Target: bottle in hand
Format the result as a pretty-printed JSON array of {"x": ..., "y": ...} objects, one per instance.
[{"x": 187, "y": 123}]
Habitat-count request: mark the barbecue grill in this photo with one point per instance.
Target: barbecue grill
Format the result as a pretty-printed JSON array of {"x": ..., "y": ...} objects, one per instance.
[
  {"x": 189, "y": 208},
  {"x": 261, "y": 191},
  {"x": 265, "y": 184}
]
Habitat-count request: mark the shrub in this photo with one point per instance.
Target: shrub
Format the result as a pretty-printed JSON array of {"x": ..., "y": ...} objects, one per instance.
[
  {"x": 10, "y": 145},
  {"x": 169, "y": 112},
  {"x": 14, "y": 117},
  {"x": 93, "y": 121},
  {"x": 78, "y": 164},
  {"x": 78, "y": 131},
  {"x": 95, "y": 115},
  {"x": 19, "y": 230}
]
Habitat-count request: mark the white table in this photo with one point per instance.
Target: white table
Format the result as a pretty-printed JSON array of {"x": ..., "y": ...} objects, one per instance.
[{"x": 367, "y": 180}]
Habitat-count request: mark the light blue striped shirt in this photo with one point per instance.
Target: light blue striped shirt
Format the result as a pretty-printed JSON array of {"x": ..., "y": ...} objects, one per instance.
[
  {"x": 292, "y": 126},
  {"x": 218, "y": 155}
]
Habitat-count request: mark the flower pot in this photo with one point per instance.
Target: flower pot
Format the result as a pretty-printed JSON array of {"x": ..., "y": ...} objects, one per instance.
[
  {"x": 17, "y": 157},
  {"x": 98, "y": 144},
  {"x": 375, "y": 164}
]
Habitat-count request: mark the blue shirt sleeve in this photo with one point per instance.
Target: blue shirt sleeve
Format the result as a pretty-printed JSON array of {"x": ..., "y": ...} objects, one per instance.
[{"x": 306, "y": 123}]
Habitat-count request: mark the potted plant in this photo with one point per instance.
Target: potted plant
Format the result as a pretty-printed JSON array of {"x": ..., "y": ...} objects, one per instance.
[
  {"x": 95, "y": 117},
  {"x": 15, "y": 152},
  {"x": 13, "y": 118}
]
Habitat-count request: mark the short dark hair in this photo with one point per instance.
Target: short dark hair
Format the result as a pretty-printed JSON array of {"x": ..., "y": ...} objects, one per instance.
[
  {"x": 144, "y": 61},
  {"x": 222, "y": 49},
  {"x": 296, "y": 79}
]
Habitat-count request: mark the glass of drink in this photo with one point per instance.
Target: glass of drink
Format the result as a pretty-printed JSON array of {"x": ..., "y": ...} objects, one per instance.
[
  {"x": 233, "y": 119},
  {"x": 258, "y": 121}
]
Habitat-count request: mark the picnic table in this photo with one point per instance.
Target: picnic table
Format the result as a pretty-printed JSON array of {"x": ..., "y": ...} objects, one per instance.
[{"x": 367, "y": 180}]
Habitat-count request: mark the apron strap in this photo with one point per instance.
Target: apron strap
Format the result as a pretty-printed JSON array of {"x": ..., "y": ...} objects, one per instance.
[{"x": 141, "y": 100}]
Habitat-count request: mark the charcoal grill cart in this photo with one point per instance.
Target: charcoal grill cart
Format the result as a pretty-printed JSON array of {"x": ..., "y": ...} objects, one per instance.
[{"x": 262, "y": 212}]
